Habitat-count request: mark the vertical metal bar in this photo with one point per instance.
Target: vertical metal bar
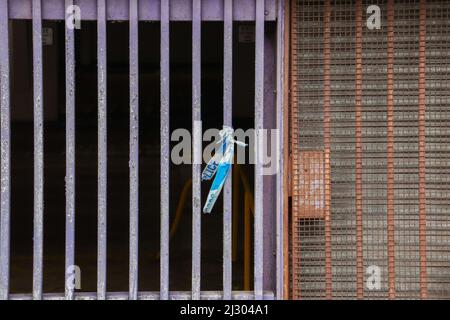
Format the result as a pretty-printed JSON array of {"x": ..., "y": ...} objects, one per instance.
[
  {"x": 358, "y": 155},
  {"x": 102, "y": 150},
  {"x": 38, "y": 151},
  {"x": 70, "y": 155},
  {"x": 259, "y": 124},
  {"x": 5, "y": 152},
  {"x": 280, "y": 148},
  {"x": 165, "y": 109},
  {"x": 269, "y": 180},
  {"x": 326, "y": 142},
  {"x": 295, "y": 152},
  {"x": 390, "y": 149},
  {"x": 247, "y": 239},
  {"x": 134, "y": 150},
  {"x": 197, "y": 148},
  {"x": 227, "y": 121},
  {"x": 422, "y": 141}
]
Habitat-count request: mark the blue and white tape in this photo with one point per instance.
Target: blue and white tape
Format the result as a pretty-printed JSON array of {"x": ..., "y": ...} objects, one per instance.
[{"x": 219, "y": 165}]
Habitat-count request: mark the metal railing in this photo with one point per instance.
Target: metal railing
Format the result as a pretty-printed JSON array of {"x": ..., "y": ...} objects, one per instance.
[{"x": 135, "y": 11}]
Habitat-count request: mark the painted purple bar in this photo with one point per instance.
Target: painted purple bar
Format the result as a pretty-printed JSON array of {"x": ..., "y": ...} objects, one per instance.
[
  {"x": 70, "y": 157},
  {"x": 38, "y": 226},
  {"x": 135, "y": 10},
  {"x": 5, "y": 128},
  {"x": 134, "y": 150},
  {"x": 102, "y": 150},
  {"x": 280, "y": 187},
  {"x": 228, "y": 121},
  {"x": 269, "y": 180},
  {"x": 150, "y": 295},
  {"x": 180, "y": 10},
  {"x": 197, "y": 148},
  {"x": 165, "y": 144},
  {"x": 259, "y": 124}
]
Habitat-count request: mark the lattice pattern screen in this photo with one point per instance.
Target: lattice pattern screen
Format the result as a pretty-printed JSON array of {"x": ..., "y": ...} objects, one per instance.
[{"x": 376, "y": 104}]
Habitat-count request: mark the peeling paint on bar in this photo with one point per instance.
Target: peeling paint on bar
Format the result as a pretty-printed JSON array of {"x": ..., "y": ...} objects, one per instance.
[
  {"x": 280, "y": 188},
  {"x": 38, "y": 224},
  {"x": 5, "y": 152},
  {"x": 165, "y": 136},
  {"x": 133, "y": 11},
  {"x": 197, "y": 149},
  {"x": 152, "y": 295},
  {"x": 227, "y": 121},
  {"x": 134, "y": 150},
  {"x": 294, "y": 148},
  {"x": 149, "y": 10},
  {"x": 102, "y": 151},
  {"x": 70, "y": 155},
  {"x": 259, "y": 123}
]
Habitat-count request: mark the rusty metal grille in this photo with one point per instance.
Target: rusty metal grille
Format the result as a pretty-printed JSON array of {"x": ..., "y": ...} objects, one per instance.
[
  {"x": 376, "y": 102},
  {"x": 437, "y": 148}
]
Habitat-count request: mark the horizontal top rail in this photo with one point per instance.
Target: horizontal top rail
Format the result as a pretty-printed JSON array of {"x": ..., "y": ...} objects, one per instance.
[{"x": 149, "y": 10}]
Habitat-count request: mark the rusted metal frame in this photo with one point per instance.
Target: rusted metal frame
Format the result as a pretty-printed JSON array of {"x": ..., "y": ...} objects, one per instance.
[
  {"x": 259, "y": 124},
  {"x": 70, "y": 158},
  {"x": 38, "y": 201},
  {"x": 286, "y": 147},
  {"x": 326, "y": 143},
  {"x": 295, "y": 151},
  {"x": 5, "y": 127},
  {"x": 390, "y": 150},
  {"x": 165, "y": 144},
  {"x": 196, "y": 148},
  {"x": 358, "y": 152},
  {"x": 228, "y": 121},
  {"x": 102, "y": 150},
  {"x": 134, "y": 151},
  {"x": 310, "y": 189},
  {"x": 422, "y": 155}
]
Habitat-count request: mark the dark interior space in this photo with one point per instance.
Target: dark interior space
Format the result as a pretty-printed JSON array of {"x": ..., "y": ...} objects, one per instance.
[{"x": 118, "y": 148}]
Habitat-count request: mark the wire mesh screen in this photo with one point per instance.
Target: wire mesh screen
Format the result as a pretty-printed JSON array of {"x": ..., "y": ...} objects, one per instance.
[
  {"x": 375, "y": 101},
  {"x": 437, "y": 148}
]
